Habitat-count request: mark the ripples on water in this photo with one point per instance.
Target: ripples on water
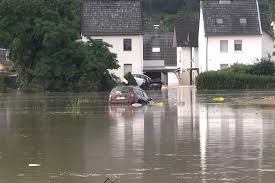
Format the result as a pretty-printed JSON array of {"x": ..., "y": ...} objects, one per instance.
[{"x": 79, "y": 138}]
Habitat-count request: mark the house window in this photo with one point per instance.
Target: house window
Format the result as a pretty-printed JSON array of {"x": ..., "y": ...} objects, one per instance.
[
  {"x": 99, "y": 40},
  {"x": 127, "y": 44},
  {"x": 238, "y": 45},
  {"x": 127, "y": 68},
  {"x": 219, "y": 20},
  {"x": 155, "y": 50},
  {"x": 225, "y": 2},
  {"x": 223, "y": 66},
  {"x": 223, "y": 46},
  {"x": 243, "y": 21}
]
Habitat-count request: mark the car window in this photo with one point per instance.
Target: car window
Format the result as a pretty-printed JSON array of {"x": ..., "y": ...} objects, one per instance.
[
  {"x": 139, "y": 92},
  {"x": 146, "y": 77},
  {"x": 122, "y": 89},
  {"x": 136, "y": 75}
]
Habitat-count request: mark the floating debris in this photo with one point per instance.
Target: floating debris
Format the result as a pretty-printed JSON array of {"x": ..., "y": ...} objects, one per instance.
[
  {"x": 269, "y": 98},
  {"x": 158, "y": 104},
  {"x": 218, "y": 99},
  {"x": 137, "y": 105},
  {"x": 34, "y": 165}
]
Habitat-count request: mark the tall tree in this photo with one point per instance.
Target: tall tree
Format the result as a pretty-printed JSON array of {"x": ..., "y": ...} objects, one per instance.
[{"x": 41, "y": 37}]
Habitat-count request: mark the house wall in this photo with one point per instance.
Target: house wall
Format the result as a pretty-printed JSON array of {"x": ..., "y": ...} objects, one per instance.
[
  {"x": 251, "y": 49},
  {"x": 134, "y": 57},
  {"x": 267, "y": 43},
  {"x": 172, "y": 79},
  {"x": 202, "y": 45},
  {"x": 183, "y": 62}
]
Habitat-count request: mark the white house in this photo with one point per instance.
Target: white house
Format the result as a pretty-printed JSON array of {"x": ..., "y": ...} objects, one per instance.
[
  {"x": 186, "y": 41},
  {"x": 120, "y": 24},
  {"x": 231, "y": 32},
  {"x": 4, "y": 60}
]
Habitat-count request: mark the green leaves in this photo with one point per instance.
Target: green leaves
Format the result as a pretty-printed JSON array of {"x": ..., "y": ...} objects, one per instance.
[{"x": 41, "y": 36}]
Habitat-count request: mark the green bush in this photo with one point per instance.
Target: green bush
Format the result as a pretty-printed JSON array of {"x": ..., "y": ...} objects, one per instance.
[
  {"x": 239, "y": 68},
  {"x": 263, "y": 67},
  {"x": 219, "y": 80},
  {"x": 130, "y": 78},
  {"x": 3, "y": 84}
]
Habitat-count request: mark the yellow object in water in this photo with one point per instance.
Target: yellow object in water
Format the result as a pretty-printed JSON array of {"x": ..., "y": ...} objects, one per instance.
[
  {"x": 269, "y": 98},
  {"x": 158, "y": 104},
  {"x": 218, "y": 99}
]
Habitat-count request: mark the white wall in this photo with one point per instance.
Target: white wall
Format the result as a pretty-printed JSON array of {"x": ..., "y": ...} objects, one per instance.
[
  {"x": 183, "y": 62},
  {"x": 134, "y": 57},
  {"x": 251, "y": 49},
  {"x": 172, "y": 79},
  {"x": 267, "y": 43},
  {"x": 202, "y": 45}
]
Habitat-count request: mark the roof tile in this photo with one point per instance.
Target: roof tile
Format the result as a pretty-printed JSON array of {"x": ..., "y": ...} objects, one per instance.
[{"x": 111, "y": 17}]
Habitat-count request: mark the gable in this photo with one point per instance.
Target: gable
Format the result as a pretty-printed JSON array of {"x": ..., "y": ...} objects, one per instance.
[{"x": 225, "y": 18}]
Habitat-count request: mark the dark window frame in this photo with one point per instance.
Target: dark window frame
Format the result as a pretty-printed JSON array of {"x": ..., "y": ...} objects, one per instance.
[
  {"x": 127, "y": 44},
  {"x": 238, "y": 47}
]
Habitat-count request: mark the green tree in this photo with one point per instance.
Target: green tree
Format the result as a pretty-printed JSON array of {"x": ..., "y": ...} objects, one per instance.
[{"x": 41, "y": 36}]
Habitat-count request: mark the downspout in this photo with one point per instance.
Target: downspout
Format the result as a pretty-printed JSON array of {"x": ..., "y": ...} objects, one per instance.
[
  {"x": 191, "y": 55},
  {"x": 206, "y": 53}
]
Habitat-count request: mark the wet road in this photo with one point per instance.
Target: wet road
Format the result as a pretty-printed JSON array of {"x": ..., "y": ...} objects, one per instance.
[{"x": 185, "y": 137}]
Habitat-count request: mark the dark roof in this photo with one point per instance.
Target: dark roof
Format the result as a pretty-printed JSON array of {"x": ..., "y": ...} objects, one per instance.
[
  {"x": 187, "y": 33},
  {"x": 3, "y": 55},
  {"x": 111, "y": 17},
  {"x": 231, "y": 14},
  {"x": 162, "y": 40}
]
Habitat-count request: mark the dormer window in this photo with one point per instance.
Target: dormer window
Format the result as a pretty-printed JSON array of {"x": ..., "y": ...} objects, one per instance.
[
  {"x": 155, "y": 49},
  {"x": 243, "y": 21},
  {"x": 225, "y": 2},
  {"x": 219, "y": 20}
]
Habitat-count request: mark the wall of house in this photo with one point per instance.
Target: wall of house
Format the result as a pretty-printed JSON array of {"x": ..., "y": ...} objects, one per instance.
[
  {"x": 251, "y": 49},
  {"x": 202, "y": 45},
  {"x": 172, "y": 79},
  {"x": 134, "y": 57},
  {"x": 183, "y": 62},
  {"x": 267, "y": 42}
]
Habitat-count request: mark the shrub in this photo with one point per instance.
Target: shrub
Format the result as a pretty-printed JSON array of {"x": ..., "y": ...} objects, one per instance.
[
  {"x": 263, "y": 67},
  {"x": 239, "y": 68},
  {"x": 130, "y": 78},
  {"x": 219, "y": 80},
  {"x": 3, "y": 84}
]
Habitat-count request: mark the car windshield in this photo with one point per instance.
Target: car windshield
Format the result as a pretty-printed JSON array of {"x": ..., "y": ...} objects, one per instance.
[{"x": 122, "y": 89}]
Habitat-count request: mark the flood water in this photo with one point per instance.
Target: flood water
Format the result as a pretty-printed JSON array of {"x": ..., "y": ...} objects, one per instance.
[{"x": 184, "y": 137}]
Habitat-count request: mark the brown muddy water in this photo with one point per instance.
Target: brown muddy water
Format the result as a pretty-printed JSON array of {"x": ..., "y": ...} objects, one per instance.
[{"x": 185, "y": 137}]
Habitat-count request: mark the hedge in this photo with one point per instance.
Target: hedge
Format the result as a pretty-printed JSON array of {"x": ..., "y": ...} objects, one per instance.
[
  {"x": 219, "y": 80},
  {"x": 3, "y": 84}
]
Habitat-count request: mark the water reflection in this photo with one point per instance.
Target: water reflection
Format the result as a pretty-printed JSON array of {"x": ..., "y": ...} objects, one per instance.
[{"x": 80, "y": 138}]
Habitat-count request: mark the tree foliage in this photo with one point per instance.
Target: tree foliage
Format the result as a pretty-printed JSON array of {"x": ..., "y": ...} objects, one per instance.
[{"x": 41, "y": 36}]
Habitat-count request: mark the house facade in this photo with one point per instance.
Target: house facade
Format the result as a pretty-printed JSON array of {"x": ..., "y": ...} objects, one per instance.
[
  {"x": 186, "y": 41},
  {"x": 4, "y": 61},
  {"x": 120, "y": 24},
  {"x": 232, "y": 32},
  {"x": 159, "y": 60}
]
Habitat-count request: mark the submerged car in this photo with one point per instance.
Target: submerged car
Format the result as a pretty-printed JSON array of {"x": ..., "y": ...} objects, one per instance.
[{"x": 128, "y": 95}]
